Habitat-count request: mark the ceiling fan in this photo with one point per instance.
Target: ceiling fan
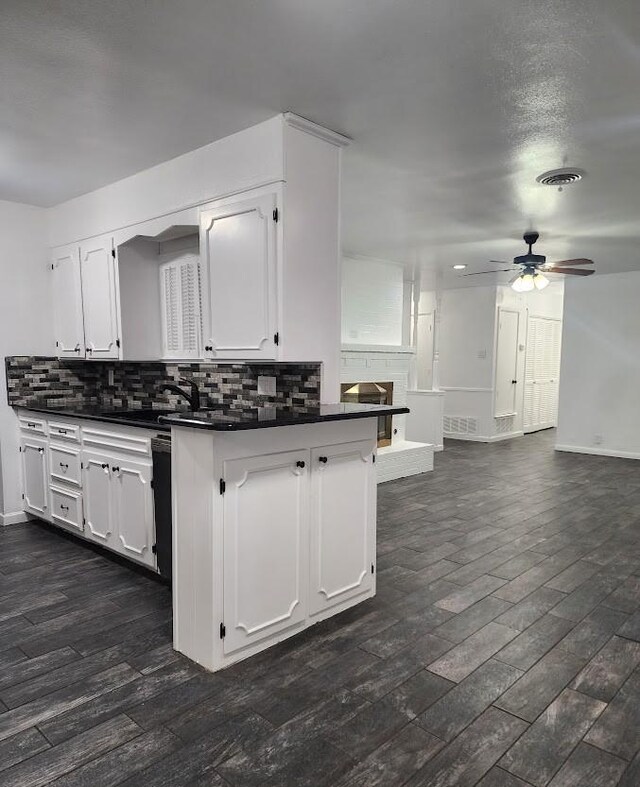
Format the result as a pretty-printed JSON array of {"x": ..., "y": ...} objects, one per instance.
[{"x": 534, "y": 266}]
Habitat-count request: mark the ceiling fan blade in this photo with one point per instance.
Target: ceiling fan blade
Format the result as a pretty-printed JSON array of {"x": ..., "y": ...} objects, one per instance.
[
  {"x": 578, "y": 261},
  {"x": 482, "y": 273},
  {"x": 571, "y": 271},
  {"x": 498, "y": 262}
]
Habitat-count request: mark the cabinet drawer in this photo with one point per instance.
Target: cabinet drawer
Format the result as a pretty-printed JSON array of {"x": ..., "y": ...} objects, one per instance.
[
  {"x": 64, "y": 465},
  {"x": 33, "y": 425},
  {"x": 63, "y": 431},
  {"x": 133, "y": 441},
  {"x": 66, "y": 508}
]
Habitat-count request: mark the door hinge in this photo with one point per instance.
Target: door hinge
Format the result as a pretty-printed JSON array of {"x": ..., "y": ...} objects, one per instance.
[
  {"x": 23, "y": 495},
  {"x": 373, "y": 459},
  {"x": 276, "y": 214},
  {"x": 57, "y": 344},
  {"x": 20, "y": 449},
  {"x": 223, "y": 486},
  {"x": 223, "y": 631},
  {"x": 84, "y": 520},
  {"x": 151, "y": 485},
  {"x": 117, "y": 342},
  {"x": 52, "y": 268},
  {"x": 372, "y": 568},
  {"x": 113, "y": 253},
  {"x": 154, "y": 549},
  {"x": 276, "y": 338}
]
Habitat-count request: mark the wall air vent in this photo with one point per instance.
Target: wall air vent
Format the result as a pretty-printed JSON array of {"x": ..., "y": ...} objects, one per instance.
[
  {"x": 560, "y": 177},
  {"x": 453, "y": 424}
]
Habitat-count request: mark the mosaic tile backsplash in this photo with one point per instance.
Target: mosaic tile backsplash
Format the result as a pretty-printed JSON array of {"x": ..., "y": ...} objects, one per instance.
[{"x": 50, "y": 382}]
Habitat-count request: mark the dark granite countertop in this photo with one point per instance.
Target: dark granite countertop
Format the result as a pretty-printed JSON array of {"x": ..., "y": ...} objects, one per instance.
[
  {"x": 230, "y": 420},
  {"x": 147, "y": 419}
]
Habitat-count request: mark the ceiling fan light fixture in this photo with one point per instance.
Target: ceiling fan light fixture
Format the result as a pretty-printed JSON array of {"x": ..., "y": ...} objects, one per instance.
[
  {"x": 524, "y": 283},
  {"x": 540, "y": 281},
  {"x": 459, "y": 267}
]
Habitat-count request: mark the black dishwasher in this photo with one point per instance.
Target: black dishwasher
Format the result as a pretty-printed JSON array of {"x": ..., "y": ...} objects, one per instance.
[{"x": 161, "y": 453}]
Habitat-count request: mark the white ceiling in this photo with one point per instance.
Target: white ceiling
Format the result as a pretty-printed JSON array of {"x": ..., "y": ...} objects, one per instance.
[{"x": 455, "y": 106}]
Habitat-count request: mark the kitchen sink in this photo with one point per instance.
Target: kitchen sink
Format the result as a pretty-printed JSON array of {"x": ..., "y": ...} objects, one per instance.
[{"x": 140, "y": 415}]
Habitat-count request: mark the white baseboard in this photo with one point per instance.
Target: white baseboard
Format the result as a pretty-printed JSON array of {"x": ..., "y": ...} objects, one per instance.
[
  {"x": 596, "y": 451},
  {"x": 479, "y": 438},
  {"x": 14, "y": 518}
]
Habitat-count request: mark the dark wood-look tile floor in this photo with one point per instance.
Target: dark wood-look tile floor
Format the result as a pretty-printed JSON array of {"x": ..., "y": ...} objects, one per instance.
[{"x": 502, "y": 650}]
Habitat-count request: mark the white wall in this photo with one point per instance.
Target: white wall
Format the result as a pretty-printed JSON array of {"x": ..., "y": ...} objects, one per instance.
[
  {"x": 252, "y": 157},
  {"x": 25, "y": 326},
  {"x": 374, "y": 302},
  {"x": 600, "y": 372}
]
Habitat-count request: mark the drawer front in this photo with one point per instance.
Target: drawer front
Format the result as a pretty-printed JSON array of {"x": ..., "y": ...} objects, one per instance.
[
  {"x": 134, "y": 441},
  {"x": 33, "y": 425},
  {"x": 64, "y": 465},
  {"x": 66, "y": 508},
  {"x": 59, "y": 430}
]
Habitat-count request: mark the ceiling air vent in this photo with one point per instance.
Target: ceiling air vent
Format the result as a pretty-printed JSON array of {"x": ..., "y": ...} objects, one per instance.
[{"x": 560, "y": 177}]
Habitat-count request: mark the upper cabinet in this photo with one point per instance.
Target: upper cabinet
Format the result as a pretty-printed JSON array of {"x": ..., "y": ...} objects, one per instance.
[
  {"x": 99, "y": 298},
  {"x": 67, "y": 302},
  {"x": 252, "y": 275},
  {"x": 238, "y": 242}
]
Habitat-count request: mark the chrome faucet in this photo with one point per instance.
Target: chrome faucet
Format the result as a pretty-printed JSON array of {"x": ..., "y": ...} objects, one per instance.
[{"x": 193, "y": 398}]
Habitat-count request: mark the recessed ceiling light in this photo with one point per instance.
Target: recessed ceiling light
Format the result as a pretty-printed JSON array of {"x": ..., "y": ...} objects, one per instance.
[{"x": 459, "y": 267}]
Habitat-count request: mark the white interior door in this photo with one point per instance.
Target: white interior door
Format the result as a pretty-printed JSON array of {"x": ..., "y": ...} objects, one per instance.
[
  {"x": 506, "y": 363},
  {"x": 343, "y": 503},
  {"x": 35, "y": 476},
  {"x": 542, "y": 373},
  {"x": 98, "y": 506},
  {"x": 239, "y": 243},
  {"x": 99, "y": 298},
  {"x": 67, "y": 302},
  {"x": 265, "y": 525},
  {"x": 133, "y": 509},
  {"x": 424, "y": 351}
]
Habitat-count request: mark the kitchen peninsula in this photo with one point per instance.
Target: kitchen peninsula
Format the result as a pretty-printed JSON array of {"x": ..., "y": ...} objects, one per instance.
[{"x": 274, "y": 513}]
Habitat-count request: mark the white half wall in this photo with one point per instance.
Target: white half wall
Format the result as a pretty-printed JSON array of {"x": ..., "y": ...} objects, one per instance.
[
  {"x": 25, "y": 327},
  {"x": 600, "y": 372}
]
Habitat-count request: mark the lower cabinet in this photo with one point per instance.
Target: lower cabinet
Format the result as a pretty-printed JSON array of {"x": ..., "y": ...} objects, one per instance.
[
  {"x": 299, "y": 537},
  {"x": 66, "y": 508},
  {"x": 118, "y": 501},
  {"x": 265, "y": 525},
  {"x": 35, "y": 476},
  {"x": 343, "y": 505}
]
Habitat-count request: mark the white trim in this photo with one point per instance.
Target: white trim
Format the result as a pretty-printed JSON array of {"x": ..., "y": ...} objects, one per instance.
[
  {"x": 611, "y": 452},
  {"x": 476, "y": 438},
  {"x": 316, "y": 130},
  {"x": 424, "y": 392},
  {"x": 468, "y": 390},
  {"x": 15, "y": 518},
  {"x": 390, "y": 349}
]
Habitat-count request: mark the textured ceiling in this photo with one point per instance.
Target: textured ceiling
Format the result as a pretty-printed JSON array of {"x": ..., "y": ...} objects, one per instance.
[{"x": 455, "y": 106}]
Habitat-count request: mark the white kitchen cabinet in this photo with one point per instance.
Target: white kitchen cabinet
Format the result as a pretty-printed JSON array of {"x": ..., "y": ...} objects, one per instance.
[
  {"x": 99, "y": 298},
  {"x": 66, "y": 508},
  {"x": 238, "y": 244},
  {"x": 98, "y": 499},
  {"x": 65, "y": 465},
  {"x": 132, "y": 507},
  {"x": 35, "y": 476},
  {"x": 67, "y": 302},
  {"x": 342, "y": 523},
  {"x": 119, "y": 504},
  {"x": 265, "y": 523}
]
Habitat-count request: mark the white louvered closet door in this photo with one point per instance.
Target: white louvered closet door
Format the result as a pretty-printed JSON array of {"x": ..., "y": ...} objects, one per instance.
[
  {"x": 542, "y": 371},
  {"x": 181, "y": 308}
]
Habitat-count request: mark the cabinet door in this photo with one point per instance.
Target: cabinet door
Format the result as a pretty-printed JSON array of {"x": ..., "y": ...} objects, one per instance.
[
  {"x": 238, "y": 242},
  {"x": 67, "y": 303},
  {"x": 98, "y": 507},
  {"x": 99, "y": 299},
  {"x": 133, "y": 509},
  {"x": 35, "y": 476},
  {"x": 343, "y": 503},
  {"x": 265, "y": 526}
]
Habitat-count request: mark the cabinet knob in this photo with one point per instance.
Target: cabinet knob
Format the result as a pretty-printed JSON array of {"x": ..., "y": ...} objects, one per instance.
[
  {"x": 300, "y": 464},
  {"x": 115, "y": 469},
  {"x": 41, "y": 450},
  {"x": 322, "y": 459},
  {"x": 208, "y": 348}
]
